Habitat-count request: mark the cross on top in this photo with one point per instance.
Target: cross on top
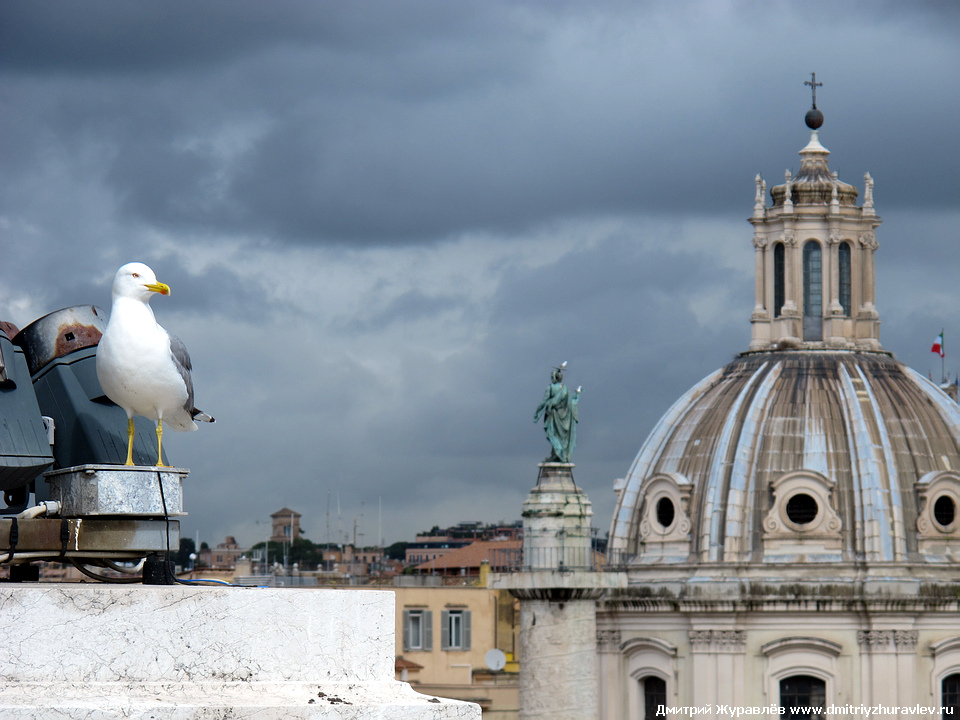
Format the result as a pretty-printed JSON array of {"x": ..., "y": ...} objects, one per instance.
[{"x": 812, "y": 82}]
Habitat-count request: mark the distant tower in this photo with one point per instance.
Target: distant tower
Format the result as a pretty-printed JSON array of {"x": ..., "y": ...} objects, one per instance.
[{"x": 285, "y": 526}]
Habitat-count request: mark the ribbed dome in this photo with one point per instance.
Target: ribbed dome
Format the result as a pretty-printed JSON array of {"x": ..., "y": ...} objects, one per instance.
[
  {"x": 810, "y": 456},
  {"x": 814, "y": 184}
]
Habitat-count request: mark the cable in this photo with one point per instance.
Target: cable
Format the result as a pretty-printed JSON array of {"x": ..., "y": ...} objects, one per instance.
[
  {"x": 127, "y": 571},
  {"x": 12, "y": 542},
  {"x": 168, "y": 576},
  {"x": 198, "y": 581},
  {"x": 102, "y": 578},
  {"x": 166, "y": 565}
]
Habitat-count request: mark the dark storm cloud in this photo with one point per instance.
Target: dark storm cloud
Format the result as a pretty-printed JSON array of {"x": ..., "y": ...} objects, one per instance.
[
  {"x": 408, "y": 122},
  {"x": 111, "y": 37}
]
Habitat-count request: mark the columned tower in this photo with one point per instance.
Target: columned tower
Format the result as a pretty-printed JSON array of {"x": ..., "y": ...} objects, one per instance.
[{"x": 814, "y": 259}]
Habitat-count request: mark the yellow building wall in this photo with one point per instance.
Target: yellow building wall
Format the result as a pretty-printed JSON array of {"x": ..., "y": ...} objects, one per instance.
[{"x": 463, "y": 674}]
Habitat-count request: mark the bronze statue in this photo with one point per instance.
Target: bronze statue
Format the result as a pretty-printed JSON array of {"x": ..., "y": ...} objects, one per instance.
[{"x": 559, "y": 409}]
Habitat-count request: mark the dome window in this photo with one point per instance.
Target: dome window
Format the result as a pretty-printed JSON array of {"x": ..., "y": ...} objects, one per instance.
[
  {"x": 664, "y": 523},
  {"x": 802, "y": 509},
  {"x": 802, "y": 518},
  {"x": 938, "y": 520},
  {"x": 665, "y": 512},
  {"x": 944, "y": 510}
]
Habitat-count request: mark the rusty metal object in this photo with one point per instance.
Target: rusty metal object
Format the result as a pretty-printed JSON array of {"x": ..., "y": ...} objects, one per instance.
[
  {"x": 60, "y": 333},
  {"x": 8, "y": 329}
]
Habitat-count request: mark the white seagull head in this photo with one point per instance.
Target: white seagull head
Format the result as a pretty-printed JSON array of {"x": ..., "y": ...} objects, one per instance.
[{"x": 137, "y": 281}]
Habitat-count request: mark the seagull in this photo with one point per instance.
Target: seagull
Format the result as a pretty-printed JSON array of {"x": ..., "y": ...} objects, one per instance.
[{"x": 141, "y": 367}]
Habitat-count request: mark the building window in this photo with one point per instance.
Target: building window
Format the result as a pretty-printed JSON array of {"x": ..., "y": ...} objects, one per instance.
[
  {"x": 417, "y": 630},
  {"x": 950, "y": 696},
  {"x": 802, "y": 509},
  {"x": 803, "y": 697},
  {"x": 779, "y": 292},
  {"x": 844, "y": 267},
  {"x": 665, "y": 512},
  {"x": 812, "y": 291},
  {"x": 654, "y": 692},
  {"x": 944, "y": 511},
  {"x": 455, "y": 630}
]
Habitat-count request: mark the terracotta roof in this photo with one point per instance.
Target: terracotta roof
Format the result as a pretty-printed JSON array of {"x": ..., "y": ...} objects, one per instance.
[
  {"x": 403, "y": 664},
  {"x": 471, "y": 555}
]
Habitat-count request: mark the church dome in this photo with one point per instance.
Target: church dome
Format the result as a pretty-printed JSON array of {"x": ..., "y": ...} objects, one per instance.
[
  {"x": 814, "y": 447},
  {"x": 810, "y": 456}
]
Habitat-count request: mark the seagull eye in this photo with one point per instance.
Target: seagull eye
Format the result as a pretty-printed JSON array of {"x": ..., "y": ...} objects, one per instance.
[{"x": 136, "y": 274}]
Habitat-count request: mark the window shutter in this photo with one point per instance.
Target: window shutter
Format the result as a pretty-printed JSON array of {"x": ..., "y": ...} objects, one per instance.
[
  {"x": 406, "y": 631},
  {"x": 428, "y": 629},
  {"x": 466, "y": 629},
  {"x": 445, "y": 630}
]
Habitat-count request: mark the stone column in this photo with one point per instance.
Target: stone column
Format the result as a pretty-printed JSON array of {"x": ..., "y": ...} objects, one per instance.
[
  {"x": 558, "y": 589},
  {"x": 558, "y": 655},
  {"x": 759, "y": 308},
  {"x": 869, "y": 245},
  {"x": 760, "y": 328},
  {"x": 556, "y": 522},
  {"x": 834, "y": 244},
  {"x": 887, "y": 662},
  {"x": 790, "y": 304},
  {"x": 718, "y": 666}
]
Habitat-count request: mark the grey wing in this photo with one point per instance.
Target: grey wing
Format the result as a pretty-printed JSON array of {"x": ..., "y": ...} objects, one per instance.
[{"x": 181, "y": 358}]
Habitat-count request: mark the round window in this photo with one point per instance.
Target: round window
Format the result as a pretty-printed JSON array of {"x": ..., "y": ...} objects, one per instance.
[
  {"x": 944, "y": 510},
  {"x": 665, "y": 512},
  {"x": 802, "y": 509}
]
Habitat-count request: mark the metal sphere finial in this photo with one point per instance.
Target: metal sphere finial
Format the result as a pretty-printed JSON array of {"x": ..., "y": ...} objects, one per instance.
[{"x": 814, "y": 117}]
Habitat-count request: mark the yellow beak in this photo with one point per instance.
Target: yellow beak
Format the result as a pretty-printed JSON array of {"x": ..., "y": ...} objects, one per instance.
[{"x": 158, "y": 287}]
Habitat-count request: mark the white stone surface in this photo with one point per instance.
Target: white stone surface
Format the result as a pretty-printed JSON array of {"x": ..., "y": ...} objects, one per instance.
[
  {"x": 104, "y": 651},
  {"x": 558, "y": 652}
]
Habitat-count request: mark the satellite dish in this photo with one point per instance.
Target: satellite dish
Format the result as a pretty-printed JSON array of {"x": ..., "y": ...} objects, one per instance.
[{"x": 495, "y": 659}]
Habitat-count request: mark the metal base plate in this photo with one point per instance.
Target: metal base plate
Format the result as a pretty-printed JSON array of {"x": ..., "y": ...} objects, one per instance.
[{"x": 128, "y": 490}]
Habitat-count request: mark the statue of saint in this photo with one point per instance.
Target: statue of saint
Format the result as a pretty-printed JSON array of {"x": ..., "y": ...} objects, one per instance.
[{"x": 559, "y": 409}]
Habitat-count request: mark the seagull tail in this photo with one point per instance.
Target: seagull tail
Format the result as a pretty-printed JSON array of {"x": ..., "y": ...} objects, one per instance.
[{"x": 201, "y": 416}]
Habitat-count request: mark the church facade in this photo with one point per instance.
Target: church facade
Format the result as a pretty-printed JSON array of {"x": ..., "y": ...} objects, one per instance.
[{"x": 791, "y": 527}]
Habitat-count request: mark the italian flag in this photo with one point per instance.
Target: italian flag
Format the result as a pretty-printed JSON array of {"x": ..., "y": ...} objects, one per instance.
[{"x": 938, "y": 345}]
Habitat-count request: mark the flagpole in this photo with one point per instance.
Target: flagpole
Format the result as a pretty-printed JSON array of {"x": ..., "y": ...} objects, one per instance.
[{"x": 943, "y": 355}]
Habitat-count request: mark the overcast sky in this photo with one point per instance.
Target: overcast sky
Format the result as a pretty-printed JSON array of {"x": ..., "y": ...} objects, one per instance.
[{"x": 385, "y": 222}]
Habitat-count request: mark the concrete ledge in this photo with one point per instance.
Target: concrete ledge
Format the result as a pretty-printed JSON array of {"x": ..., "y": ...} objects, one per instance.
[
  {"x": 105, "y": 651},
  {"x": 222, "y": 700}
]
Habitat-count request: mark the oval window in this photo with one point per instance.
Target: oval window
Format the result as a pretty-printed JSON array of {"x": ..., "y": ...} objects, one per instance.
[
  {"x": 665, "y": 512},
  {"x": 944, "y": 510},
  {"x": 802, "y": 509}
]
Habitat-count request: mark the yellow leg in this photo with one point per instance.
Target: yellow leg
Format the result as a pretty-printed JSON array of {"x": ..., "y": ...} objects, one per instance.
[
  {"x": 129, "y": 441},
  {"x": 160, "y": 444}
]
